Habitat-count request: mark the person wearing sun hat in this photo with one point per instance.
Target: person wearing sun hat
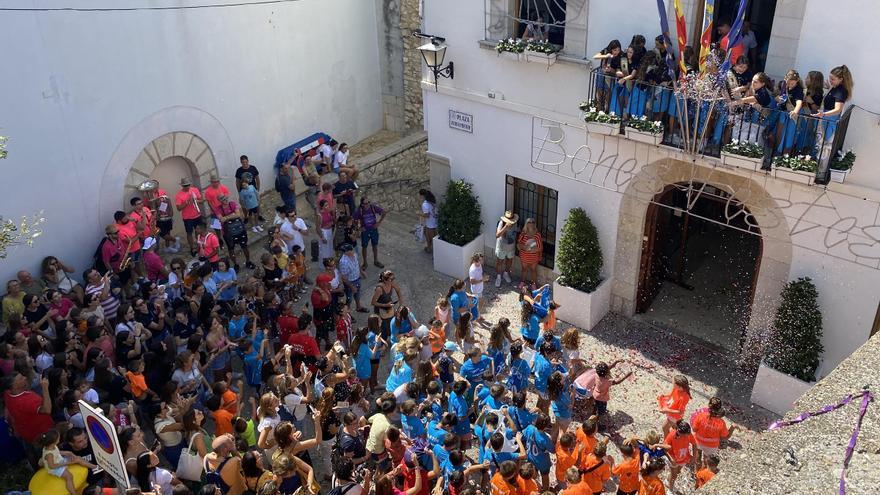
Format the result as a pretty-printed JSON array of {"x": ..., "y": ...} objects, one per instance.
[{"x": 505, "y": 245}]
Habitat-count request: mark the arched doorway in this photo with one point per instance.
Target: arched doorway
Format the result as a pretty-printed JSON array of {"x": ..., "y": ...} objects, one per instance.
[
  {"x": 169, "y": 172},
  {"x": 698, "y": 269}
]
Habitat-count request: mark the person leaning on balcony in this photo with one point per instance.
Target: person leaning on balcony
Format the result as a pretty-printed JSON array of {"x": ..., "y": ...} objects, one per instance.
[
  {"x": 536, "y": 29},
  {"x": 610, "y": 64},
  {"x": 840, "y": 86}
]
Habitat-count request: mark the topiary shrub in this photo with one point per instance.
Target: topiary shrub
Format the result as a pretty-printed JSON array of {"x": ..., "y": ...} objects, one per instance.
[
  {"x": 796, "y": 344},
  {"x": 578, "y": 254},
  {"x": 458, "y": 219}
]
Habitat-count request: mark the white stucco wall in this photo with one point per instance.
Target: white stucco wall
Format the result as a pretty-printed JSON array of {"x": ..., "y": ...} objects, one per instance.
[{"x": 77, "y": 83}]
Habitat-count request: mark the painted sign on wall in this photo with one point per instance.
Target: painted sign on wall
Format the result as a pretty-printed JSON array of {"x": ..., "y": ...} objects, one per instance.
[{"x": 461, "y": 121}]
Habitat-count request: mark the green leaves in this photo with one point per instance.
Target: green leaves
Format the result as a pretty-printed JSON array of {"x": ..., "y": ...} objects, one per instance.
[
  {"x": 579, "y": 255},
  {"x": 459, "y": 220},
  {"x": 796, "y": 344}
]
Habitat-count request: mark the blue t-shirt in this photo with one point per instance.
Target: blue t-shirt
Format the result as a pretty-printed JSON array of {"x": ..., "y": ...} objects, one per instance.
[
  {"x": 482, "y": 434},
  {"x": 400, "y": 328},
  {"x": 436, "y": 435},
  {"x": 248, "y": 197},
  {"x": 412, "y": 426},
  {"x": 362, "y": 362},
  {"x": 473, "y": 372},
  {"x": 458, "y": 300},
  {"x": 400, "y": 373},
  {"x": 458, "y": 406},
  {"x": 562, "y": 405},
  {"x": 492, "y": 403},
  {"x": 538, "y": 446},
  {"x": 371, "y": 342},
  {"x": 518, "y": 379},
  {"x": 543, "y": 369},
  {"x": 521, "y": 416},
  {"x": 440, "y": 453},
  {"x": 499, "y": 357},
  {"x": 557, "y": 343},
  {"x": 531, "y": 331},
  {"x": 496, "y": 458},
  {"x": 230, "y": 293},
  {"x": 237, "y": 327},
  {"x": 444, "y": 369}
]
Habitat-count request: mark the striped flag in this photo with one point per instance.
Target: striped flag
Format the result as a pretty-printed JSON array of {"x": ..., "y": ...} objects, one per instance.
[
  {"x": 681, "y": 29},
  {"x": 706, "y": 38},
  {"x": 664, "y": 29},
  {"x": 734, "y": 37}
]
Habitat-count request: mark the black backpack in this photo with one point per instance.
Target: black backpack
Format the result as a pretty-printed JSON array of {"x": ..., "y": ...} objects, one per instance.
[{"x": 98, "y": 259}]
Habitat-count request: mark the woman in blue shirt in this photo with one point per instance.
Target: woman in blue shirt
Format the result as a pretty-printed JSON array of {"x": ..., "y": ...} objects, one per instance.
[
  {"x": 559, "y": 393},
  {"x": 402, "y": 323},
  {"x": 538, "y": 446},
  {"x": 225, "y": 279},
  {"x": 401, "y": 372},
  {"x": 458, "y": 406},
  {"x": 461, "y": 302},
  {"x": 362, "y": 356},
  {"x": 531, "y": 324}
]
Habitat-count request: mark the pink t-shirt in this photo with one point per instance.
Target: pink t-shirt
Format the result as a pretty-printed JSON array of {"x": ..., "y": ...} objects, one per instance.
[
  {"x": 209, "y": 243},
  {"x": 190, "y": 211},
  {"x": 154, "y": 265},
  {"x": 212, "y": 196},
  {"x": 599, "y": 387}
]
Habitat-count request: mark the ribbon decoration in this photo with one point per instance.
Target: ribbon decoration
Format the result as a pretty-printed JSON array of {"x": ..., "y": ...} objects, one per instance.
[{"x": 866, "y": 397}]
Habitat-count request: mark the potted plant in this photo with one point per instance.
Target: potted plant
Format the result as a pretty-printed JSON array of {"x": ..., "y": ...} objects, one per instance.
[
  {"x": 459, "y": 225},
  {"x": 542, "y": 52},
  {"x": 742, "y": 154},
  {"x": 794, "y": 350},
  {"x": 584, "y": 297},
  {"x": 841, "y": 165},
  {"x": 644, "y": 130},
  {"x": 599, "y": 122},
  {"x": 510, "y": 48},
  {"x": 798, "y": 168}
]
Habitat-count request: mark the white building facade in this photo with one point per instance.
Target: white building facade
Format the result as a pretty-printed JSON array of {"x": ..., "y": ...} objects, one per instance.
[
  {"x": 95, "y": 102},
  {"x": 528, "y": 149}
]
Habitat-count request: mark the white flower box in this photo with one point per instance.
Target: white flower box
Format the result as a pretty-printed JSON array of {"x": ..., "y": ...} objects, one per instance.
[
  {"x": 839, "y": 175},
  {"x": 547, "y": 59},
  {"x": 776, "y": 391},
  {"x": 582, "y": 309},
  {"x": 740, "y": 161},
  {"x": 453, "y": 260},
  {"x": 603, "y": 128},
  {"x": 644, "y": 137},
  {"x": 794, "y": 175},
  {"x": 510, "y": 55}
]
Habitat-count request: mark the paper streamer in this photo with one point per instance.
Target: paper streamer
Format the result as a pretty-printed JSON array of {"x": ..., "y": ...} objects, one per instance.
[{"x": 866, "y": 397}]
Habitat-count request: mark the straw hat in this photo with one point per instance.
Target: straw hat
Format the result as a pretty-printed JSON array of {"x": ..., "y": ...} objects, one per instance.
[
  {"x": 509, "y": 217},
  {"x": 185, "y": 181}
]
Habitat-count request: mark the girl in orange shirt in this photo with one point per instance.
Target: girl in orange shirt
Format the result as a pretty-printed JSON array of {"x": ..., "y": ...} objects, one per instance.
[
  {"x": 681, "y": 445},
  {"x": 708, "y": 472},
  {"x": 586, "y": 435},
  {"x": 651, "y": 484},
  {"x": 568, "y": 454},
  {"x": 597, "y": 468},
  {"x": 674, "y": 404},
  {"x": 627, "y": 471}
]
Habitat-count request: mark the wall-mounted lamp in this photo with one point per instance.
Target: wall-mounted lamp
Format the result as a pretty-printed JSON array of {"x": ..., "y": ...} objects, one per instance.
[{"x": 433, "y": 52}]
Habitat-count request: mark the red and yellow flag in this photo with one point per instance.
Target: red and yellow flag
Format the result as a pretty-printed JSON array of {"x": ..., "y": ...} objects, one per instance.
[
  {"x": 706, "y": 38},
  {"x": 681, "y": 28}
]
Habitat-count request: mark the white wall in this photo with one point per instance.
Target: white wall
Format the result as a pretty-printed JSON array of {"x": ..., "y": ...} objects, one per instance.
[
  {"x": 832, "y": 37},
  {"x": 77, "y": 82}
]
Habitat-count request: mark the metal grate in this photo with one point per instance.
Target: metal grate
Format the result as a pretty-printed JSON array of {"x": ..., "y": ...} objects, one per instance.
[{"x": 530, "y": 200}]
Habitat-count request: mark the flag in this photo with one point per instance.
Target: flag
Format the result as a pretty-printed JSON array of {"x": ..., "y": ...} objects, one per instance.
[
  {"x": 681, "y": 30},
  {"x": 734, "y": 37},
  {"x": 664, "y": 29},
  {"x": 706, "y": 38}
]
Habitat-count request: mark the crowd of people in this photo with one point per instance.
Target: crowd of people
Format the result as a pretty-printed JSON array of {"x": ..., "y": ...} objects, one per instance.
[
  {"x": 796, "y": 116},
  {"x": 218, "y": 385}
]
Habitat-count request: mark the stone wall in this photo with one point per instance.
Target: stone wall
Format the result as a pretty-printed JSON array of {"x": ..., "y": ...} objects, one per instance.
[
  {"x": 392, "y": 175},
  {"x": 411, "y": 20}
]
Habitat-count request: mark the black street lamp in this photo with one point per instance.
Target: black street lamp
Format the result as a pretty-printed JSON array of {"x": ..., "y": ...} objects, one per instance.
[{"x": 433, "y": 52}]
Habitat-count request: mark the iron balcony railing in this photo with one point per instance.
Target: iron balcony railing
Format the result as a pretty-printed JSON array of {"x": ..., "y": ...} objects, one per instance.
[{"x": 723, "y": 122}]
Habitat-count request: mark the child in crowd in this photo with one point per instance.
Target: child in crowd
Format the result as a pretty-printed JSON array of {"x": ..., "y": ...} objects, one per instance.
[
  {"x": 250, "y": 201},
  {"x": 673, "y": 405},
  {"x": 56, "y": 461},
  {"x": 627, "y": 471},
  {"x": 681, "y": 448},
  {"x": 705, "y": 474}
]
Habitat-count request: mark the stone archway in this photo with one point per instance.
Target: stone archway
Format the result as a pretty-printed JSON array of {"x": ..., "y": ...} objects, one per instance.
[
  {"x": 185, "y": 145},
  {"x": 775, "y": 264}
]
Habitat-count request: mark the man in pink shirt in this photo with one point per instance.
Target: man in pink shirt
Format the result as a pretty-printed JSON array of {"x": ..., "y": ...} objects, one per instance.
[{"x": 189, "y": 203}]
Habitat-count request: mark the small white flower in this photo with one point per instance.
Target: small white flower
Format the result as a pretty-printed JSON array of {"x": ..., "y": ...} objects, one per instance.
[{"x": 603, "y": 113}]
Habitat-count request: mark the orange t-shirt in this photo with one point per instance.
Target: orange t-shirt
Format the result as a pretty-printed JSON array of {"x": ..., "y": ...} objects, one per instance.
[
  {"x": 708, "y": 430},
  {"x": 677, "y": 399},
  {"x": 703, "y": 476},
  {"x": 222, "y": 421},
  {"x": 597, "y": 477},
  {"x": 138, "y": 384},
  {"x": 212, "y": 196},
  {"x": 651, "y": 485},
  {"x": 628, "y": 474},
  {"x": 581, "y": 488},
  {"x": 191, "y": 210},
  {"x": 135, "y": 217},
  {"x": 229, "y": 401},
  {"x": 437, "y": 339},
  {"x": 209, "y": 243},
  {"x": 501, "y": 486},
  {"x": 127, "y": 232},
  {"x": 527, "y": 487},
  {"x": 564, "y": 460},
  {"x": 680, "y": 447},
  {"x": 588, "y": 441}
]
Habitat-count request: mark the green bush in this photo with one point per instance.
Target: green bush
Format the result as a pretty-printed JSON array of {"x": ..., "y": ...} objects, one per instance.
[
  {"x": 579, "y": 254},
  {"x": 459, "y": 220},
  {"x": 796, "y": 344}
]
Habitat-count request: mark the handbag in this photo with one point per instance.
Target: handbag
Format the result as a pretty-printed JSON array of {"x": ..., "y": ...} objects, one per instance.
[
  {"x": 234, "y": 227},
  {"x": 190, "y": 465},
  {"x": 419, "y": 232}
]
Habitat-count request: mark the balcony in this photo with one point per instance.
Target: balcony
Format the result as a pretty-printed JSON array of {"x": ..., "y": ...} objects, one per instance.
[{"x": 806, "y": 149}]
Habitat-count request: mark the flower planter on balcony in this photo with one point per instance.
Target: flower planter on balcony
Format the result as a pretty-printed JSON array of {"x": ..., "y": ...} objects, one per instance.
[
  {"x": 510, "y": 55},
  {"x": 740, "y": 161},
  {"x": 603, "y": 128},
  {"x": 839, "y": 175},
  {"x": 644, "y": 137},
  {"x": 547, "y": 59},
  {"x": 800, "y": 176}
]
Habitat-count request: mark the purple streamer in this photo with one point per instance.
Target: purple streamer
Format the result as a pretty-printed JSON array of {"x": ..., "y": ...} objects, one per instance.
[{"x": 866, "y": 396}]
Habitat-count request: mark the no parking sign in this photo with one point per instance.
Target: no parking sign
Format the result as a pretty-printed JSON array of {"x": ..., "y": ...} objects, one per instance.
[{"x": 105, "y": 443}]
